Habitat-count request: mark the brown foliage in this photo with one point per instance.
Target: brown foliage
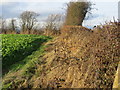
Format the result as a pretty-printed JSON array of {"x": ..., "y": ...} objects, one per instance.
[
  {"x": 81, "y": 59},
  {"x": 76, "y": 12},
  {"x": 78, "y": 58}
]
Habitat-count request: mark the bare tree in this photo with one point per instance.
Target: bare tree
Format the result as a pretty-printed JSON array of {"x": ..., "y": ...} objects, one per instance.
[
  {"x": 12, "y": 25},
  {"x": 54, "y": 21},
  {"x": 2, "y": 25},
  {"x": 28, "y": 20}
]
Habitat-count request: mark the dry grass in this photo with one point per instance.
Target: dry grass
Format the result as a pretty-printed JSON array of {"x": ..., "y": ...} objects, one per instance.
[
  {"x": 9, "y": 32},
  {"x": 82, "y": 58},
  {"x": 52, "y": 33},
  {"x": 79, "y": 58},
  {"x": 117, "y": 78},
  {"x": 36, "y": 32}
]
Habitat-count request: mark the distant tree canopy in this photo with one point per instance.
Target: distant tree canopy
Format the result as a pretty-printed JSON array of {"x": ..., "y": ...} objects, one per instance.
[{"x": 76, "y": 12}]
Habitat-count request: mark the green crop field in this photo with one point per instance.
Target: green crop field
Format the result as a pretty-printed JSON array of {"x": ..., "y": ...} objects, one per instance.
[{"x": 16, "y": 48}]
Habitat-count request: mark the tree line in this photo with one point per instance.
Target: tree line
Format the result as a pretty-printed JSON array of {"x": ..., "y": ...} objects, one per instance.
[{"x": 75, "y": 14}]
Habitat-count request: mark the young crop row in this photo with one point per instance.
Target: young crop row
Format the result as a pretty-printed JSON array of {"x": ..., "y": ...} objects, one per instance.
[{"x": 17, "y": 47}]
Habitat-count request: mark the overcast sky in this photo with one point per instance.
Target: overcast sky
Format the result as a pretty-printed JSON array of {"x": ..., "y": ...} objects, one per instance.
[{"x": 104, "y": 10}]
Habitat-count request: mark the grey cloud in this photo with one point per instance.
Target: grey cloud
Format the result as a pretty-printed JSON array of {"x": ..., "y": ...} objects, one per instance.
[
  {"x": 10, "y": 10},
  {"x": 13, "y": 9}
]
